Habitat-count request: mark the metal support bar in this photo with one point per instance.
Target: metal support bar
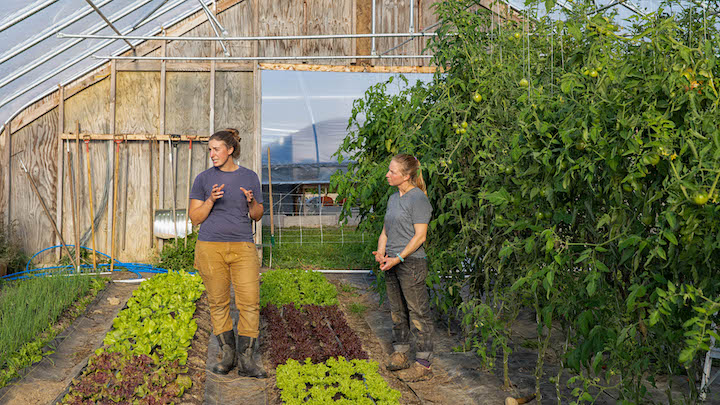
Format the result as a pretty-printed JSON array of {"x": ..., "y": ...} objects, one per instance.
[
  {"x": 258, "y": 38},
  {"x": 97, "y": 10},
  {"x": 603, "y": 8},
  {"x": 73, "y": 62},
  {"x": 24, "y": 47},
  {"x": 212, "y": 18},
  {"x": 145, "y": 17},
  {"x": 67, "y": 46},
  {"x": 221, "y": 58},
  {"x": 7, "y": 24},
  {"x": 213, "y": 21}
]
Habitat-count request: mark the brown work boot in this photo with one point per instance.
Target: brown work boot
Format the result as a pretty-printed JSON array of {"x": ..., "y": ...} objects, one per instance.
[
  {"x": 398, "y": 361},
  {"x": 417, "y": 372}
]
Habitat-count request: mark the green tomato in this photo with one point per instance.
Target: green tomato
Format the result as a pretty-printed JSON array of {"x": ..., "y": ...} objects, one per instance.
[
  {"x": 462, "y": 130},
  {"x": 454, "y": 125},
  {"x": 539, "y": 216},
  {"x": 580, "y": 145},
  {"x": 517, "y": 35},
  {"x": 654, "y": 159},
  {"x": 524, "y": 83},
  {"x": 508, "y": 170},
  {"x": 464, "y": 124},
  {"x": 477, "y": 97},
  {"x": 627, "y": 187},
  {"x": 701, "y": 198},
  {"x": 593, "y": 73}
]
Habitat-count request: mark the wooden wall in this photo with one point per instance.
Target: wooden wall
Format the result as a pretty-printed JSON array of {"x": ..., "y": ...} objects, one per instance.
[{"x": 194, "y": 99}]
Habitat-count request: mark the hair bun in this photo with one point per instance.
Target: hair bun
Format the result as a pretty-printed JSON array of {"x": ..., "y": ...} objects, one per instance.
[{"x": 234, "y": 132}]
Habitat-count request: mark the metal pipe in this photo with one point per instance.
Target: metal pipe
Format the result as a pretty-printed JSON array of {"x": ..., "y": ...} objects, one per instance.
[
  {"x": 144, "y": 17},
  {"x": 373, "y": 49},
  {"x": 24, "y": 15},
  {"x": 603, "y": 8},
  {"x": 211, "y": 21},
  {"x": 24, "y": 47},
  {"x": 411, "y": 39},
  {"x": 90, "y": 69},
  {"x": 97, "y": 10},
  {"x": 251, "y": 58},
  {"x": 76, "y": 61},
  {"x": 62, "y": 49},
  {"x": 256, "y": 38},
  {"x": 212, "y": 18},
  {"x": 412, "y": 16}
]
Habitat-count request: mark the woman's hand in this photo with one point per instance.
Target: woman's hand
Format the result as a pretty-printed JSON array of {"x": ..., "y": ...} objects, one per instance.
[
  {"x": 389, "y": 263},
  {"x": 217, "y": 192},
  {"x": 379, "y": 256},
  {"x": 248, "y": 195}
]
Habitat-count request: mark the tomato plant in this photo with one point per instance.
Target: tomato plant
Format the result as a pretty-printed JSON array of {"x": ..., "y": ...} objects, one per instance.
[{"x": 599, "y": 218}]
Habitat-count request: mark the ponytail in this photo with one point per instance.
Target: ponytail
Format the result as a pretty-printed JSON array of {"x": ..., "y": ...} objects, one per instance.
[{"x": 411, "y": 166}]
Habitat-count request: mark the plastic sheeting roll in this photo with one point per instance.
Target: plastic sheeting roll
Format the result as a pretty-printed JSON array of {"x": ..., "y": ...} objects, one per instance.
[{"x": 164, "y": 228}]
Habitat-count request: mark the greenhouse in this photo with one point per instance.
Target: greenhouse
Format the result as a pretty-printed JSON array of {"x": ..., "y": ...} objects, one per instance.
[{"x": 359, "y": 202}]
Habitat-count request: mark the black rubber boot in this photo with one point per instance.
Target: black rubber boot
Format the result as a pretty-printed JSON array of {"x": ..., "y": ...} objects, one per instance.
[
  {"x": 227, "y": 348},
  {"x": 246, "y": 363}
]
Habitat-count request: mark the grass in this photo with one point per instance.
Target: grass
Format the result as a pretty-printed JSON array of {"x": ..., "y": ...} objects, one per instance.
[
  {"x": 358, "y": 309},
  {"x": 28, "y": 311},
  {"x": 12, "y": 259},
  {"x": 333, "y": 248}
]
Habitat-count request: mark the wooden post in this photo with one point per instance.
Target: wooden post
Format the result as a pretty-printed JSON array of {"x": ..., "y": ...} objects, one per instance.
[
  {"x": 114, "y": 205},
  {"x": 8, "y": 178},
  {"x": 187, "y": 206},
  {"x": 60, "y": 169},
  {"x": 111, "y": 208},
  {"x": 76, "y": 207},
  {"x": 212, "y": 108},
  {"x": 256, "y": 110},
  {"x": 92, "y": 210}
]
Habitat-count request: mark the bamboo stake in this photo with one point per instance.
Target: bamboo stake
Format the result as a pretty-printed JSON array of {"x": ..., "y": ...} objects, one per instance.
[
  {"x": 76, "y": 180},
  {"x": 47, "y": 212},
  {"x": 73, "y": 194},
  {"x": 92, "y": 211},
  {"x": 189, "y": 173},
  {"x": 114, "y": 205}
]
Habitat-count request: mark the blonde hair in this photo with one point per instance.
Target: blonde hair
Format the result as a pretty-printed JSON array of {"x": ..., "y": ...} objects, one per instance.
[
  {"x": 410, "y": 165},
  {"x": 230, "y": 137}
]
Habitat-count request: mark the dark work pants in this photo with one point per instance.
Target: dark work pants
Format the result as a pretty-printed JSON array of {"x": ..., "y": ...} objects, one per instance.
[{"x": 410, "y": 306}]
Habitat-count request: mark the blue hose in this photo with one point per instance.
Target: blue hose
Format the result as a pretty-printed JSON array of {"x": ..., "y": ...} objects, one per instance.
[{"x": 136, "y": 268}]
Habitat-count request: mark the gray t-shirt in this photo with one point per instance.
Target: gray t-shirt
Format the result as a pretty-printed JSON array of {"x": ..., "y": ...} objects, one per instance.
[
  {"x": 402, "y": 213},
  {"x": 228, "y": 220}
]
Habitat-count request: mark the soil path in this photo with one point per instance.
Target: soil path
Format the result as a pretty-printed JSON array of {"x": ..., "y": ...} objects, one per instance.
[{"x": 46, "y": 381}]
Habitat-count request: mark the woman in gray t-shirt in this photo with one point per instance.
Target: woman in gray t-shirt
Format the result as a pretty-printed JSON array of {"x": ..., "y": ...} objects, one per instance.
[{"x": 401, "y": 256}]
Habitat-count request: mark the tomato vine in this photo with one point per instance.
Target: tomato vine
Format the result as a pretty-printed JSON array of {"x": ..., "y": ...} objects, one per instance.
[{"x": 584, "y": 186}]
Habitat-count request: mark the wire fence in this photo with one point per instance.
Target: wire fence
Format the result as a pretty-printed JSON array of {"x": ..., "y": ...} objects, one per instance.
[{"x": 309, "y": 218}]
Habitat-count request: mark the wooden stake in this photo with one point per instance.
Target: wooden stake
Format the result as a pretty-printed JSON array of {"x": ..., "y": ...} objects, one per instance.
[
  {"x": 60, "y": 166},
  {"x": 114, "y": 205},
  {"x": 47, "y": 212},
  {"x": 92, "y": 211},
  {"x": 73, "y": 193},
  {"x": 272, "y": 223},
  {"x": 173, "y": 170}
]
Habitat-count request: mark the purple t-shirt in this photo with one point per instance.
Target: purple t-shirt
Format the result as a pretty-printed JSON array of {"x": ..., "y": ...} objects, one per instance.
[{"x": 228, "y": 220}]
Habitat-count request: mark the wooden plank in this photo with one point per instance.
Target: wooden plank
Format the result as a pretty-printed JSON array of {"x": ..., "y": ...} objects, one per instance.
[
  {"x": 136, "y": 137},
  {"x": 193, "y": 48},
  {"x": 393, "y": 16},
  {"x": 363, "y": 25},
  {"x": 37, "y": 144},
  {"x": 189, "y": 66},
  {"x": 7, "y": 192},
  {"x": 60, "y": 171},
  {"x": 281, "y": 17},
  {"x": 5, "y": 176},
  {"x": 238, "y": 22},
  {"x": 91, "y": 108},
  {"x": 161, "y": 129},
  {"x": 187, "y": 103},
  {"x": 212, "y": 98},
  {"x": 329, "y": 17},
  {"x": 110, "y": 154},
  {"x": 235, "y": 108},
  {"x": 138, "y": 188},
  {"x": 341, "y": 68},
  {"x": 137, "y": 102}
]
